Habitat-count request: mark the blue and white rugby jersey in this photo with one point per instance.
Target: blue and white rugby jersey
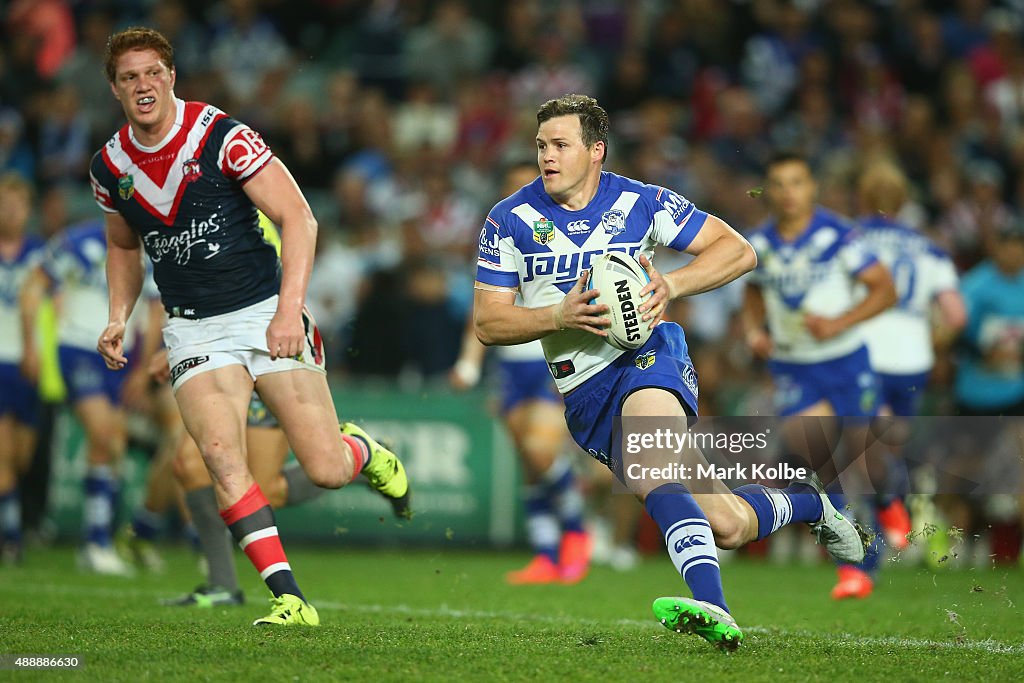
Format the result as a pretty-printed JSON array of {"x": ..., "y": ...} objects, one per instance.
[
  {"x": 13, "y": 274},
  {"x": 899, "y": 339},
  {"x": 76, "y": 261},
  {"x": 530, "y": 243},
  {"x": 815, "y": 273}
]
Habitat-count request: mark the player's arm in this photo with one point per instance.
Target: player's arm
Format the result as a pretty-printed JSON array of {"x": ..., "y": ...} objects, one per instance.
[
  {"x": 466, "y": 371},
  {"x": 720, "y": 256},
  {"x": 34, "y": 290},
  {"x": 754, "y": 318},
  {"x": 952, "y": 316},
  {"x": 124, "y": 283},
  {"x": 498, "y": 321},
  {"x": 881, "y": 294},
  {"x": 274, "y": 192}
]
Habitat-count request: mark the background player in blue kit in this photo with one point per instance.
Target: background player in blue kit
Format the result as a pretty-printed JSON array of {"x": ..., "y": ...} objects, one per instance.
[
  {"x": 19, "y": 254},
  {"x": 532, "y": 411},
  {"x": 183, "y": 181},
  {"x": 527, "y": 250},
  {"x": 900, "y": 340},
  {"x": 73, "y": 269},
  {"x": 811, "y": 263}
]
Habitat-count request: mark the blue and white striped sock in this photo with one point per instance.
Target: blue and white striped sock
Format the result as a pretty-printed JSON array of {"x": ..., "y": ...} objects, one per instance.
[
  {"x": 10, "y": 516},
  {"x": 542, "y": 527},
  {"x": 564, "y": 494},
  {"x": 689, "y": 540},
  {"x": 776, "y": 508},
  {"x": 100, "y": 491}
]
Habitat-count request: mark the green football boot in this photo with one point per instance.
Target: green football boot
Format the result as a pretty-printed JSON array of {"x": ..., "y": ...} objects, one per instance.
[
  {"x": 289, "y": 610},
  {"x": 385, "y": 473},
  {"x": 710, "y": 622}
]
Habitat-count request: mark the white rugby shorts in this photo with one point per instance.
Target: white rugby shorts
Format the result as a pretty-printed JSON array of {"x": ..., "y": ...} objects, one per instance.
[{"x": 236, "y": 338}]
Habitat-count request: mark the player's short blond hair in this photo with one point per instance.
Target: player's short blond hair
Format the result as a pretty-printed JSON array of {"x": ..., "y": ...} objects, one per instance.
[
  {"x": 593, "y": 117},
  {"x": 136, "y": 38},
  {"x": 882, "y": 188}
]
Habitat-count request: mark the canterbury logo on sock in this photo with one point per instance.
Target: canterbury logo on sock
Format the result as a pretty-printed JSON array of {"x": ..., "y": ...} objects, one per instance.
[{"x": 688, "y": 542}]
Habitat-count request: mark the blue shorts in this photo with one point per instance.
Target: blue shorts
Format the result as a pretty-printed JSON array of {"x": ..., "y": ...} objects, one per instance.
[
  {"x": 525, "y": 380},
  {"x": 85, "y": 374},
  {"x": 847, "y": 383},
  {"x": 592, "y": 408},
  {"x": 17, "y": 395},
  {"x": 903, "y": 393}
]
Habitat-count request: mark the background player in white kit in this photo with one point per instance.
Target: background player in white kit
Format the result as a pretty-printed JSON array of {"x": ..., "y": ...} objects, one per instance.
[
  {"x": 528, "y": 250},
  {"x": 73, "y": 270},
  {"x": 811, "y": 266},
  {"x": 900, "y": 339},
  {"x": 19, "y": 254},
  {"x": 532, "y": 412}
]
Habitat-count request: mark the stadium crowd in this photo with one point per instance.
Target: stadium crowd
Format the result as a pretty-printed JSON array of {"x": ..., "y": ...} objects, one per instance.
[{"x": 398, "y": 118}]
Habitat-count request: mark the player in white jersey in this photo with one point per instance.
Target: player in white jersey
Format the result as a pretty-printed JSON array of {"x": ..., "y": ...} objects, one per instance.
[
  {"x": 73, "y": 271},
  {"x": 900, "y": 339},
  {"x": 811, "y": 266},
  {"x": 18, "y": 402},
  {"x": 532, "y": 412},
  {"x": 538, "y": 244}
]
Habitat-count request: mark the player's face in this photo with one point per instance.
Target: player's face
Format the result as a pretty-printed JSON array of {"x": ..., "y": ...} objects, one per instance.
[
  {"x": 145, "y": 87},
  {"x": 791, "y": 190},
  {"x": 14, "y": 209},
  {"x": 565, "y": 162}
]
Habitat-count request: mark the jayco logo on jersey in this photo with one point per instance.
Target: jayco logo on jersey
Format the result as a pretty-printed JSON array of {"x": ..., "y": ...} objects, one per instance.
[
  {"x": 614, "y": 222},
  {"x": 568, "y": 266},
  {"x": 180, "y": 246},
  {"x": 578, "y": 227}
]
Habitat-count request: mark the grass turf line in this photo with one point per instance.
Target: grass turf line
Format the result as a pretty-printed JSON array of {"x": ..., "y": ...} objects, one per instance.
[{"x": 448, "y": 616}]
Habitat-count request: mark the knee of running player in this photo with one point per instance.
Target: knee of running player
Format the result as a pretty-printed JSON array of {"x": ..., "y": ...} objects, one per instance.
[
  {"x": 323, "y": 469},
  {"x": 730, "y": 524}
]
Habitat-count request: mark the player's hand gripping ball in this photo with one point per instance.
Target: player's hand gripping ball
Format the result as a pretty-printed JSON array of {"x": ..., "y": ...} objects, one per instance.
[{"x": 619, "y": 278}]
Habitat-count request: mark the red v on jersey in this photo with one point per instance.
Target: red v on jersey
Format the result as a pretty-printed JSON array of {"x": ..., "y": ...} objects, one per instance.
[{"x": 157, "y": 178}]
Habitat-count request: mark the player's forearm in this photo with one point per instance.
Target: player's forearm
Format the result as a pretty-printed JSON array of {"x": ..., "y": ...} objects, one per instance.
[
  {"x": 724, "y": 260},
  {"x": 124, "y": 281},
  {"x": 752, "y": 314},
  {"x": 471, "y": 351},
  {"x": 879, "y": 298},
  {"x": 298, "y": 249},
  {"x": 507, "y": 325},
  {"x": 29, "y": 300}
]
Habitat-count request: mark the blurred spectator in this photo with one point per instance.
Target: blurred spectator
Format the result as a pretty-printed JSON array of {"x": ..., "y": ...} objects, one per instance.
[
  {"x": 770, "y": 65},
  {"x": 452, "y": 47},
  {"x": 422, "y": 120},
  {"x": 297, "y": 140},
  {"x": 49, "y": 27},
  {"x": 84, "y": 71},
  {"x": 250, "y": 57},
  {"x": 990, "y": 380},
  {"x": 64, "y": 150},
  {"x": 15, "y": 152},
  {"x": 739, "y": 144},
  {"x": 974, "y": 219}
]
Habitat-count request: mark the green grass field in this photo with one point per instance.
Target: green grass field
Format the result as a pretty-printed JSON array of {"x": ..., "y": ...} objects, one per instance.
[{"x": 448, "y": 616}]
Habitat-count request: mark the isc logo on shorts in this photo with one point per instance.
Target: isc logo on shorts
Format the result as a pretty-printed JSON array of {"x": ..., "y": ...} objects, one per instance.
[{"x": 186, "y": 365}]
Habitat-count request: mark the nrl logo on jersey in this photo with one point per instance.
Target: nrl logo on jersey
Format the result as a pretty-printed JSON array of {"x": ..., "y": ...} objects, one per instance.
[
  {"x": 126, "y": 186},
  {"x": 614, "y": 222},
  {"x": 543, "y": 231},
  {"x": 645, "y": 360}
]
